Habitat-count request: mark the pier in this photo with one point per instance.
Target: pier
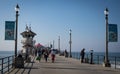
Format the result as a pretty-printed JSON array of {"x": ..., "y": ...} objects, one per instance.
[{"x": 62, "y": 65}]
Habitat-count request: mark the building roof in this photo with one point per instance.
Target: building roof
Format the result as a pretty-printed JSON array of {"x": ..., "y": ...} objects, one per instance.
[
  {"x": 27, "y": 45},
  {"x": 28, "y": 32}
]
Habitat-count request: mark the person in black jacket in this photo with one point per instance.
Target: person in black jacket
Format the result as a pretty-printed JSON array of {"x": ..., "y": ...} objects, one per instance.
[{"x": 82, "y": 53}]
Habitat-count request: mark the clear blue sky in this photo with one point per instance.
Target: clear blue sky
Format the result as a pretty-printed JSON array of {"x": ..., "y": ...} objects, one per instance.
[{"x": 52, "y": 18}]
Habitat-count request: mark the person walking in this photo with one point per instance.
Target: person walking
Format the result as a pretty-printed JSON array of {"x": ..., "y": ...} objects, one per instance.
[
  {"x": 66, "y": 53},
  {"x": 82, "y": 53},
  {"x": 53, "y": 56},
  {"x": 45, "y": 55},
  {"x": 39, "y": 55},
  {"x": 35, "y": 52}
]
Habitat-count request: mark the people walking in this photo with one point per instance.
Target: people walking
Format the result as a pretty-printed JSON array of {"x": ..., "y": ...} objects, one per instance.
[{"x": 82, "y": 53}]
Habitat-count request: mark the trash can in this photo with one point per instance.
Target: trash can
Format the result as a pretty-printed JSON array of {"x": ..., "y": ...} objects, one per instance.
[{"x": 19, "y": 62}]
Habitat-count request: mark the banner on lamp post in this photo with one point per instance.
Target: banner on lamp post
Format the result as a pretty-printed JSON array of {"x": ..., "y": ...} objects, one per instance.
[
  {"x": 9, "y": 30},
  {"x": 113, "y": 33}
]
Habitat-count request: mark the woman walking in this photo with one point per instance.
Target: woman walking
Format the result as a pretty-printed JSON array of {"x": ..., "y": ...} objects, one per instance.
[{"x": 53, "y": 56}]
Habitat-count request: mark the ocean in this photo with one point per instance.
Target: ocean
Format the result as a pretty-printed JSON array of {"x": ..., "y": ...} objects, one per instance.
[{"x": 6, "y": 53}]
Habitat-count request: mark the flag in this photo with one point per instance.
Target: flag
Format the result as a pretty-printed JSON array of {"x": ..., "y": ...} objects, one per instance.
[
  {"x": 9, "y": 30},
  {"x": 113, "y": 33}
]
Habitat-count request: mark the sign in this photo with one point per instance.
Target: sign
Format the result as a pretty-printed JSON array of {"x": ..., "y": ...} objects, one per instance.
[
  {"x": 113, "y": 33},
  {"x": 9, "y": 30}
]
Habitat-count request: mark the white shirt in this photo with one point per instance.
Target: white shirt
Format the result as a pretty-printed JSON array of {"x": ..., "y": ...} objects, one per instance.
[{"x": 53, "y": 52}]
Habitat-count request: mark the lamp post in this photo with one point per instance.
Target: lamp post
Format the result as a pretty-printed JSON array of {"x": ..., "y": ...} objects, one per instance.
[
  {"x": 91, "y": 53},
  {"x": 59, "y": 44},
  {"x": 70, "y": 42},
  {"x": 107, "y": 64},
  {"x": 17, "y": 10},
  {"x": 53, "y": 44}
]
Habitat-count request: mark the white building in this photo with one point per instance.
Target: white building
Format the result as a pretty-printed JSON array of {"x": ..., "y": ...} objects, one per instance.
[{"x": 27, "y": 41}]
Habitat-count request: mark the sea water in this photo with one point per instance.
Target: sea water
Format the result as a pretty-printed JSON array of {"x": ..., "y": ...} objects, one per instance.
[{"x": 6, "y": 53}]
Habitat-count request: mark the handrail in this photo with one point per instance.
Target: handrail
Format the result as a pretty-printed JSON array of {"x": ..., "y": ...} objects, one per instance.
[
  {"x": 99, "y": 59},
  {"x": 6, "y": 63}
]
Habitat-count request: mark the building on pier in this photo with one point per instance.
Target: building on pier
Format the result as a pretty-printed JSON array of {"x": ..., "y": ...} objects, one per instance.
[{"x": 27, "y": 41}]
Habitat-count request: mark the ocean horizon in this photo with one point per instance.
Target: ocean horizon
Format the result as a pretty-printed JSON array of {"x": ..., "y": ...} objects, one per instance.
[{"x": 6, "y": 53}]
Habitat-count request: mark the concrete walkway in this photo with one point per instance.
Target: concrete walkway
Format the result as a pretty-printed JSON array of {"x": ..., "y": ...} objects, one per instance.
[{"x": 63, "y": 66}]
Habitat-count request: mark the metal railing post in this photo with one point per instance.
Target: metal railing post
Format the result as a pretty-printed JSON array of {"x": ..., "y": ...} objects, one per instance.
[
  {"x": 2, "y": 66},
  {"x": 8, "y": 63},
  {"x": 115, "y": 62},
  {"x": 98, "y": 59},
  {"x": 13, "y": 61},
  {"x": 76, "y": 55}
]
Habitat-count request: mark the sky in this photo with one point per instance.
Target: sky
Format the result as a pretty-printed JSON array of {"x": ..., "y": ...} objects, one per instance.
[{"x": 50, "y": 19}]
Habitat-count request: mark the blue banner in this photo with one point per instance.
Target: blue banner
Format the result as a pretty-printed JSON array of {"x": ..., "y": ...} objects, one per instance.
[
  {"x": 9, "y": 30},
  {"x": 113, "y": 33}
]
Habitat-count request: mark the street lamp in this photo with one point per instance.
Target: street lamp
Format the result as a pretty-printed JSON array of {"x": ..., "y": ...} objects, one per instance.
[
  {"x": 70, "y": 42},
  {"x": 17, "y": 10},
  {"x": 59, "y": 44},
  {"x": 91, "y": 54},
  {"x": 106, "y": 63},
  {"x": 53, "y": 44}
]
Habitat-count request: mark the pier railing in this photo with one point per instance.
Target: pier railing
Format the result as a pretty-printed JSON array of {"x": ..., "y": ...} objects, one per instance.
[
  {"x": 115, "y": 61},
  {"x": 99, "y": 59},
  {"x": 6, "y": 64}
]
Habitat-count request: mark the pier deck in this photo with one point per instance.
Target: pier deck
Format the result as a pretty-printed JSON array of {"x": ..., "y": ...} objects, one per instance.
[{"x": 63, "y": 65}]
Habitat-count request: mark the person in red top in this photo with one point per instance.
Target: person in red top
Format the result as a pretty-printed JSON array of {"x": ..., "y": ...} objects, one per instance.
[{"x": 53, "y": 56}]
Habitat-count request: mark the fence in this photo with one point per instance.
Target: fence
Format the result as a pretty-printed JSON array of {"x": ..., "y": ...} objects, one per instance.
[
  {"x": 6, "y": 64},
  {"x": 99, "y": 59}
]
